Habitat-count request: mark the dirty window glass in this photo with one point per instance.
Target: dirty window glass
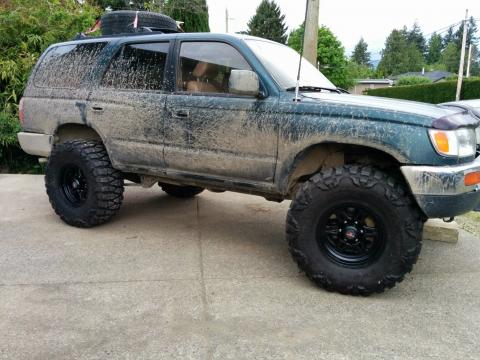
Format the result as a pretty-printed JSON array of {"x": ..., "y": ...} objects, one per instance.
[
  {"x": 206, "y": 66},
  {"x": 65, "y": 66},
  {"x": 138, "y": 66}
]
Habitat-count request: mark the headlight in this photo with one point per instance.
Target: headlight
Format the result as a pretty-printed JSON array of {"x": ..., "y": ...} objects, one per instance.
[
  {"x": 461, "y": 142},
  {"x": 477, "y": 131}
]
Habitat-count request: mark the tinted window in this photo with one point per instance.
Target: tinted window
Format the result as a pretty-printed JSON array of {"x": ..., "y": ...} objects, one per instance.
[
  {"x": 206, "y": 66},
  {"x": 65, "y": 66},
  {"x": 138, "y": 66}
]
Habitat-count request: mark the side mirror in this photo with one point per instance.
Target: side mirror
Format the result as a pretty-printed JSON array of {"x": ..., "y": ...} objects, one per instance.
[{"x": 244, "y": 82}]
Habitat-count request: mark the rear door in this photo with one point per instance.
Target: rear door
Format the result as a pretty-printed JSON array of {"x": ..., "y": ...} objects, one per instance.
[
  {"x": 128, "y": 106},
  {"x": 211, "y": 132}
]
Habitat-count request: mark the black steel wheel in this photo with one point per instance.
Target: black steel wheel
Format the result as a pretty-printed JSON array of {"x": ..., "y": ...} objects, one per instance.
[
  {"x": 82, "y": 186},
  {"x": 74, "y": 184},
  {"x": 354, "y": 229},
  {"x": 351, "y": 234}
]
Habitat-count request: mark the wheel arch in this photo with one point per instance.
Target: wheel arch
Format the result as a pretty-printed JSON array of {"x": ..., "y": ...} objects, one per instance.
[
  {"x": 313, "y": 158},
  {"x": 73, "y": 131}
]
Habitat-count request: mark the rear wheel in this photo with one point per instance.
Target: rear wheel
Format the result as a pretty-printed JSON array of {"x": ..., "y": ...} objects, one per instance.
[
  {"x": 181, "y": 191},
  {"x": 354, "y": 230},
  {"x": 83, "y": 187}
]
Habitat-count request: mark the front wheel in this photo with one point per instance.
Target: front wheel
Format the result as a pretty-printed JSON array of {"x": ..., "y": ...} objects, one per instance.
[
  {"x": 354, "y": 230},
  {"x": 83, "y": 187}
]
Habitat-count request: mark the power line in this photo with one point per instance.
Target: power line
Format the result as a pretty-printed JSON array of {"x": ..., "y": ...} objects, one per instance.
[{"x": 444, "y": 29}]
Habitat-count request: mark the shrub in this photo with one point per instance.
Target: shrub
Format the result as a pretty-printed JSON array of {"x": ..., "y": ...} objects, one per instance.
[
  {"x": 430, "y": 93},
  {"x": 27, "y": 28},
  {"x": 413, "y": 80}
]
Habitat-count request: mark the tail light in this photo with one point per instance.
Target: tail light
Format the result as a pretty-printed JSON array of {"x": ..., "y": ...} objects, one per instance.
[{"x": 21, "y": 114}]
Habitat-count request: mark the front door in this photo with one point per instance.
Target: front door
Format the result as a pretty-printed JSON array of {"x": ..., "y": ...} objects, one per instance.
[
  {"x": 211, "y": 132},
  {"x": 129, "y": 104}
]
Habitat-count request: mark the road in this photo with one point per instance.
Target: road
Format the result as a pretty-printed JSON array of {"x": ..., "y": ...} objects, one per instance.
[{"x": 210, "y": 278}]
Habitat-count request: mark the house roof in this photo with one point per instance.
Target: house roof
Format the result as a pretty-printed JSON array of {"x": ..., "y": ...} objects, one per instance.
[
  {"x": 434, "y": 76},
  {"x": 375, "y": 81}
]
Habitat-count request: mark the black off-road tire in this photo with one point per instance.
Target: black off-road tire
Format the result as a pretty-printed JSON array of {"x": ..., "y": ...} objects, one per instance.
[
  {"x": 181, "y": 191},
  {"x": 104, "y": 186},
  {"x": 387, "y": 198},
  {"x": 120, "y": 22}
]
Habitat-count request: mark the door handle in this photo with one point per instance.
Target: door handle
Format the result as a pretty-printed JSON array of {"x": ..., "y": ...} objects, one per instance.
[
  {"x": 97, "y": 109},
  {"x": 181, "y": 113}
]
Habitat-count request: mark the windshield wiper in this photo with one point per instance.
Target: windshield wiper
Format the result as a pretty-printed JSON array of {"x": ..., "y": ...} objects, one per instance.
[{"x": 314, "y": 89}]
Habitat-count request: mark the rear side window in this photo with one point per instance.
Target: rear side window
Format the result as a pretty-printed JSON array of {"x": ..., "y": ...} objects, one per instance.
[
  {"x": 138, "y": 66},
  {"x": 65, "y": 66}
]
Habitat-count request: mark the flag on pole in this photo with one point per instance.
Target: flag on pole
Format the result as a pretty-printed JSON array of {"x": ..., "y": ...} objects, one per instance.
[
  {"x": 94, "y": 28},
  {"x": 135, "y": 22}
]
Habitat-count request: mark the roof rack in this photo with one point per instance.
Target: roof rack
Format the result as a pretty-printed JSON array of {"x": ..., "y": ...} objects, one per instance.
[{"x": 140, "y": 32}]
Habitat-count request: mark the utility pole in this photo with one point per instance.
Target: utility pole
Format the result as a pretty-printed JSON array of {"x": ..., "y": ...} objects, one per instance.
[
  {"x": 311, "y": 32},
  {"x": 227, "y": 19},
  {"x": 469, "y": 61},
  {"x": 462, "y": 57}
]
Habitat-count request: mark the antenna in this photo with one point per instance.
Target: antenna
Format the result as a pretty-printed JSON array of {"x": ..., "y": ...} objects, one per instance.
[{"x": 297, "y": 86}]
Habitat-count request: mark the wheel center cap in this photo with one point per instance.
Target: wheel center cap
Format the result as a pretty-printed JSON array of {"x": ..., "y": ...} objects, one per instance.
[{"x": 350, "y": 233}]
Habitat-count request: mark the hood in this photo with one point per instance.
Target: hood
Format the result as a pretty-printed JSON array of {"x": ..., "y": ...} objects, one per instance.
[{"x": 378, "y": 108}]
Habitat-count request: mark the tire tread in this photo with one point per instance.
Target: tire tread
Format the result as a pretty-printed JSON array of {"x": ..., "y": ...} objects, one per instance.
[
  {"x": 109, "y": 182},
  {"x": 364, "y": 177}
]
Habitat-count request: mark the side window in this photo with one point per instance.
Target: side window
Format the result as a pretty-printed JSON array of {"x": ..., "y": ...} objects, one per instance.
[
  {"x": 138, "y": 66},
  {"x": 206, "y": 66},
  {"x": 65, "y": 66}
]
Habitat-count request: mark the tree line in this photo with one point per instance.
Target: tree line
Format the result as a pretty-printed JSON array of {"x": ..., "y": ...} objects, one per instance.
[
  {"x": 405, "y": 50},
  {"x": 409, "y": 50}
]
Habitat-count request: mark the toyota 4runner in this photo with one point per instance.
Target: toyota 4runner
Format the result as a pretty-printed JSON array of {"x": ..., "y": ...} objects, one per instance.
[{"x": 220, "y": 112}]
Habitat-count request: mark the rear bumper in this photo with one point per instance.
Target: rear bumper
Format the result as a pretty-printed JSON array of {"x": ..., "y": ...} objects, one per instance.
[
  {"x": 441, "y": 191},
  {"x": 36, "y": 144}
]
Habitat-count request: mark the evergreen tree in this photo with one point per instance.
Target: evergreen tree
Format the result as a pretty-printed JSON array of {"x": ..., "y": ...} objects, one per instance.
[
  {"x": 449, "y": 37},
  {"x": 193, "y": 13},
  {"x": 475, "y": 65},
  {"x": 451, "y": 54},
  {"x": 399, "y": 56},
  {"x": 330, "y": 55},
  {"x": 415, "y": 37},
  {"x": 471, "y": 34},
  {"x": 435, "y": 46},
  {"x": 268, "y": 22},
  {"x": 360, "y": 54},
  {"x": 451, "y": 57}
]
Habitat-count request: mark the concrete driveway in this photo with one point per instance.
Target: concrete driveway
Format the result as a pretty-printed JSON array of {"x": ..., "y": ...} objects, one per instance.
[{"x": 210, "y": 278}]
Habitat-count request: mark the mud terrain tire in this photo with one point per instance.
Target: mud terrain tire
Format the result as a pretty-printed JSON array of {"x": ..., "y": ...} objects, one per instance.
[
  {"x": 120, "y": 22},
  {"x": 181, "y": 191},
  {"x": 83, "y": 187},
  {"x": 394, "y": 225}
]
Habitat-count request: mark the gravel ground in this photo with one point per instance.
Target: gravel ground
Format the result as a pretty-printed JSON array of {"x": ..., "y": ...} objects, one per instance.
[{"x": 470, "y": 222}]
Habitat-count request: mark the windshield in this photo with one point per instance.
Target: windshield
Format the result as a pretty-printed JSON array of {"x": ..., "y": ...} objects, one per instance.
[{"x": 282, "y": 63}]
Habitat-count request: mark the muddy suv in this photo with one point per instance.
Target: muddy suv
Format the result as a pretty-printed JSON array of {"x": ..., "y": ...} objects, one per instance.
[{"x": 220, "y": 112}]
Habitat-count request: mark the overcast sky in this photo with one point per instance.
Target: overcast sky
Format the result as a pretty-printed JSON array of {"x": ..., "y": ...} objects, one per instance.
[{"x": 351, "y": 19}]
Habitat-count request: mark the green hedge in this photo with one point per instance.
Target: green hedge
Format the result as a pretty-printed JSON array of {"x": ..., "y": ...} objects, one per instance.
[{"x": 430, "y": 93}]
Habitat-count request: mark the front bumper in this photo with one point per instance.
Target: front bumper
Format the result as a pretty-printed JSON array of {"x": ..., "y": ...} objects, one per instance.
[
  {"x": 441, "y": 191},
  {"x": 36, "y": 144}
]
